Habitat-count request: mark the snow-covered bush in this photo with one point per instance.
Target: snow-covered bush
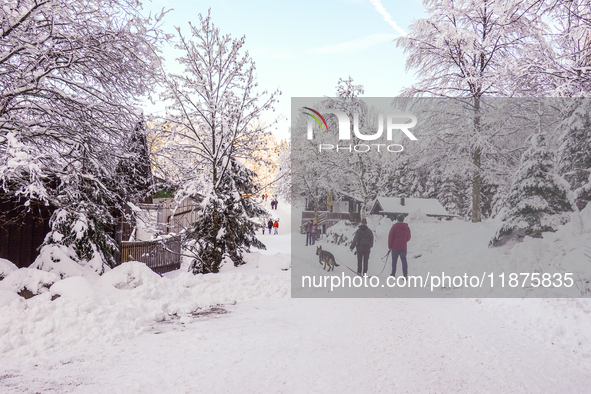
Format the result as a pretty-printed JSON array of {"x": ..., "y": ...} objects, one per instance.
[
  {"x": 75, "y": 245},
  {"x": 28, "y": 282}
]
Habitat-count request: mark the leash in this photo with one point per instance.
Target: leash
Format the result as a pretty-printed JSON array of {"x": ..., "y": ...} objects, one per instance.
[
  {"x": 355, "y": 272},
  {"x": 347, "y": 267}
]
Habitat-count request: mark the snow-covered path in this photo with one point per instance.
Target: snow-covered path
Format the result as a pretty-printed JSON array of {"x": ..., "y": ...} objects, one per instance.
[
  {"x": 325, "y": 345},
  {"x": 335, "y": 345}
]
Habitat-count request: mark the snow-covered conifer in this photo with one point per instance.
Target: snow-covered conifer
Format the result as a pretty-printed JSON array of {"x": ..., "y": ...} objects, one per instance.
[
  {"x": 539, "y": 199},
  {"x": 575, "y": 150}
]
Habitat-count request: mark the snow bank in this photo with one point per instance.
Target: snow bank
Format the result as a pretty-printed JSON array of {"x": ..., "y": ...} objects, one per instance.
[
  {"x": 420, "y": 217},
  {"x": 6, "y": 267},
  {"x": 128, "y": 276},
  {"x": 33, "y": 280},
  {"x": 7, "y": 296},
  {"x": 121, "y": 304},
  {"x": 62, "y": 261},
  {"x": 76, "y": 287}
]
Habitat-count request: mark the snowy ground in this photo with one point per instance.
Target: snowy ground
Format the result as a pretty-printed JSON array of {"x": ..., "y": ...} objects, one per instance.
[{"x": 240, "y": 331}]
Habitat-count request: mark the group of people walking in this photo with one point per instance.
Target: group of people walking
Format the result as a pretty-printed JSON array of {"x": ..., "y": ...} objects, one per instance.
[
  {"x": 397, "y": 244},
  {"x": 311, "y": 231},
  {"x": 271, "y": 224},
  {"x": 274, "y": 201}
]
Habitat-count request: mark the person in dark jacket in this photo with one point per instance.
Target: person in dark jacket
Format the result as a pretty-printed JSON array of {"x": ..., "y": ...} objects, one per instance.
[
  {"x": 270, "y": 225},
  {"x": 308, "y": 228},
  {"x": 363, "y": 241},
  {"x": 397, "y": 240}
]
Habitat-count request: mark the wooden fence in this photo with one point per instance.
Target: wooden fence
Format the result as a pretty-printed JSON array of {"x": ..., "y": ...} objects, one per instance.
[
  {"x": 328, "y": 219},
  {"x": 160, "y": 256}
]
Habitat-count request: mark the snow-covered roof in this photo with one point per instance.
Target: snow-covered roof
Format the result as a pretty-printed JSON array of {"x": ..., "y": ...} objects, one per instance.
[{"x": 428, "y": 206}]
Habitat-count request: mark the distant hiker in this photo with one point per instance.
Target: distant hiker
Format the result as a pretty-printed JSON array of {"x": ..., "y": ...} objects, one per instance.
[
  {"x": 313, "y": 233},
  {"x": 397, "y": 239},
  {"x": 276, "y": 227},
  {"x": 276, "y": 203},
  {"x": 308, "y": 228},
  {"x": 270, "y": 225},
  {"x": 264, "y": 226},
  {"x": 363, "y": 241}
]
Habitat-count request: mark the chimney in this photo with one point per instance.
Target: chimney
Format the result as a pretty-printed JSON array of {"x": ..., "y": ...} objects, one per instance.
[{"x": 402, "y": 200}]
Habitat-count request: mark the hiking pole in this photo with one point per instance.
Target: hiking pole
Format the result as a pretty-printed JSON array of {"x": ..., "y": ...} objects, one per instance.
[{"x": 386, "y": 260}]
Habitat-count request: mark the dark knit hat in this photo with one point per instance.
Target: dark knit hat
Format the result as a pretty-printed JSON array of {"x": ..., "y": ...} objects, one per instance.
[
  {"x": 400, "y": 218},
  {"x": 364, "y": 221}
]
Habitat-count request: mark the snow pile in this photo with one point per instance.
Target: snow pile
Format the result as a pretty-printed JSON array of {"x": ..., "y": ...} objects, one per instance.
[
  {"x": 341, "y": 233},
  {"x": 420, "y": 217},
  {"x": 28, "y": 279},
  {"x": 121, "y": 304},
  {"x": 129, "y": 276},
  {"x": 62, "y": 261},
  {"x": 75, "y": 287},
  {"x": 6, "y": 267}
]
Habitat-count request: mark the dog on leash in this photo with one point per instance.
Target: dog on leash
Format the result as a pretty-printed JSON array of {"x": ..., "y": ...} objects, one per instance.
[{"x": 327, "y": 258}]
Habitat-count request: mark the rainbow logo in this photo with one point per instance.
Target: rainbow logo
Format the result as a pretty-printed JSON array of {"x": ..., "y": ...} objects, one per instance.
[{"x": 315, "y": 118}]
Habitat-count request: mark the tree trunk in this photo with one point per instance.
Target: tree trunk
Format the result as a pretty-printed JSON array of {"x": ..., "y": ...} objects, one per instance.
[{"x": 476, "y": 180}]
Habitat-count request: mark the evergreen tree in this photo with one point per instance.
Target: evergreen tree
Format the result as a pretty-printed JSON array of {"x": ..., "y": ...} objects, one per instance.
[
  {"x": 135, "y": 169},
  {"x": 238, "y": 216},
  {"x": 575, "y": 150},
  {"x": 539, "y": 199},
  {"x": 77, "y": 235}
]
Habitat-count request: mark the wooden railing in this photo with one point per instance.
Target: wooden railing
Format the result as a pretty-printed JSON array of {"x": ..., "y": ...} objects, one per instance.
[
  {"x": 160, "y": 256},
  {"x": 328, "y": 218}
]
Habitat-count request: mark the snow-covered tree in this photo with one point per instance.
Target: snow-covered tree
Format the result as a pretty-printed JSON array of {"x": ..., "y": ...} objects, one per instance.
[
  {"x": 211, "y": 125},
  {"x": 566, "y": 70},
  {"x": 539, "y": 200},
  {"x": 472, "y": 49},
  {"x": 283, "y": 175},
  {"x": 73, "y": 72},
  {"x": 77, "y": 237},
  {"x": 355, "y": 174},
  {"x": 237, "y": 221},
  {"x": 575, "y": 148}
]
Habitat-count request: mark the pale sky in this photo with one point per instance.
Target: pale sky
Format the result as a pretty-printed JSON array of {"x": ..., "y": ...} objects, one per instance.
[{"x": 303, "y": 47}]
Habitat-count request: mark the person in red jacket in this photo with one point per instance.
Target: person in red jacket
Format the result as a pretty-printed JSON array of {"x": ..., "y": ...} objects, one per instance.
[
  {"x": 276, "y": 227},
  {"x": 397, "y": 239}
]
